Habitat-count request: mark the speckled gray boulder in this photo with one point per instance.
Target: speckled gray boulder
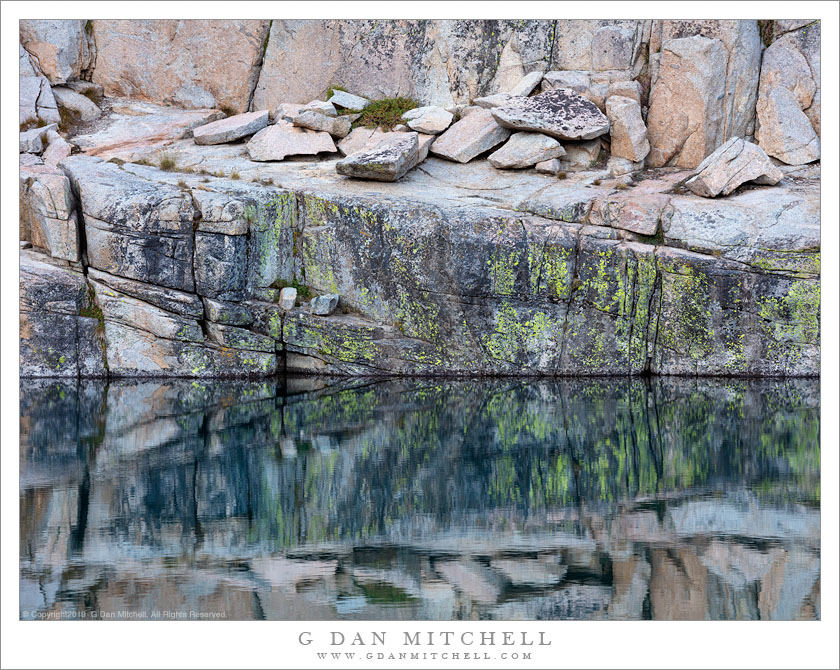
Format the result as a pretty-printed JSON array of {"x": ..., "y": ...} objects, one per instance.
[
  {"x": 232, "y": 128},
  {"x": 523, "y": 150},
  {"x": 558, "y": 112},
  {"x": 387, "y": 161},
  {"x": 323, "y": 305},
  {"x": 735, "y": 162}
]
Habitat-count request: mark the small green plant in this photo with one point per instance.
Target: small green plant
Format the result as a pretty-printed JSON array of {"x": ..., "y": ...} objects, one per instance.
[
  {"x": 206, "y": 180},
  {"x": 597, "y": 182},
  {"x": 116, "y": 161},
  {"x": 386, "y": 112},
  {"x": 562, "y": 175},
  {"x": 227, "y": 110},
  {"x": 331, "y": 91},
  {"x": 234, "y": 175},
  {"x": 166, "y": 162},
  {"x": 304, "y": 293},
  {"x": 182, "y": 184},
  {"x": 92, "y": 310},
  {"x": 622, "y": 186},
  {"x": 219, "y": 173},
  {"x": 187, "y": 170},
  {"x": 143, "y": 161}
]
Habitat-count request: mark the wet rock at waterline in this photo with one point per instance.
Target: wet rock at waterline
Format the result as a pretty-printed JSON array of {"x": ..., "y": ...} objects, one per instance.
[{"x": 559, "y": 113}]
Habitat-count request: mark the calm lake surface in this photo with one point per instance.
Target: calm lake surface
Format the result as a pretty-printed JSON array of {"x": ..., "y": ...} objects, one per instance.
[{"x": 421, "y": 499}]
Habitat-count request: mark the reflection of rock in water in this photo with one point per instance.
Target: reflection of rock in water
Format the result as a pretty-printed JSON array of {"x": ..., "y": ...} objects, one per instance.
[{"x": 302, "y": 499}]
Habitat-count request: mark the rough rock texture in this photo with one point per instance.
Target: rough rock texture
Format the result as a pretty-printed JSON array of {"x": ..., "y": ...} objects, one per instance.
[
  {"x": 231, "y": 128},
  {"x": 389, "y": 160},
  {"x": 742, "y": 45},
  {"x": 34, "y": 140},
  {"x": 57, "y": 149},
  {"x": 62, "y": 47},
  {"x": 527, "y": 84},
  {"x": 438, "y": 277},
  {"x": 48, "y": 213},
  {"x": 469, "y": 137},
  {"x": 598, "y": 45},
  {"x": 430, "y": 120},
  {"x": 439, "y": 62},
  {"x": 56, "y": 339},
  {"x": 324, "y": 305},
  {"x": 490, "y": 101},
  {"x": 360, "y": 138},
  {"x": 523, "y": 150},
  {"x": 685, "y": 121},
  {"x": 789, "y": 97},
  {"x": 559, "y": 113},
  {"x": 280, "y": 140},
  {"x": 337, "y": 126},
  {"x": 628, "y": 135},
  {"x": 76, "y": 103},
  {"x": 732, "y": 164},
  {"x": 581, "y": 155},
  {"x": 36, "y": 99},
  {"x": 195, "y": 63},
  {"x": 137, "y": 129}
]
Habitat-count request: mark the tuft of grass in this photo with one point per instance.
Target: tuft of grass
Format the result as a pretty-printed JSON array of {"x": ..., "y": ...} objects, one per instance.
[
  {"x": 32, "y": 123},
  {"x": 765, "y": 29},
  {"x": 205, "y": 180},
  {"x": 622, "y": 186},
  {"x": 116, "y": 161},
  {"x": 218, "y": 173},
  {"x": 69, "y": 118},
  {"x": 227, "y": 110},
  {"x": 386, "y": 112},
  {"x": 304, "y": 292},
  {"x": 597, "y": 182},
  {"x": 562, "y": 175},
  {"x": 234, "y": 175},
  {"x": 182, "y": 184},
  {"x": 166, "y": 163},
  {"x": 143, "y": 161},
  {"x": 93, "y": 95}
]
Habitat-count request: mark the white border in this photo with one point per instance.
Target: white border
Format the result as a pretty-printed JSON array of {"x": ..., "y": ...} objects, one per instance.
[{"x": 575, "y": 644}]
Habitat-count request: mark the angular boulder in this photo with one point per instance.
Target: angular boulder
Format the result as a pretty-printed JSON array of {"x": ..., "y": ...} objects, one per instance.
[
  {"x": 387, "y": 161},
  {"x": 320, "y": 106},
  {"x": 685, "y": 120},
  {"x": 628, "y": 134},
  {"x": 430, "y": 120},
  {"x": 581, "y": 155},
  {"x": 280, "y": 140},
  {"x": 552, "y": 166},
  {"x": 471, "y": 136},
  {"x": 323, "y": 305},
  {"x": 347, "y": 100},
  {"x": 523, "y": 150},
  {"x": 360, "y": 138},
  {"x": 229, "y": 313},
  {"x": 784, "y": 130},
  {"x": 288, "y": 297},
  {"x": 239, "y": 338},
  {"x": 527, "y": 84},
  {"x": 179, "y": 302},
  {"x": 232, "y": 128},
  {"x": 490, "y": 101},
  {"x": 79, "y": 105},
  {"x": 337, "y": 126},
  {"x": 558, "y": 112},
  {"x": 57, "y": 149},
  {"x": 735, "y": 162}
]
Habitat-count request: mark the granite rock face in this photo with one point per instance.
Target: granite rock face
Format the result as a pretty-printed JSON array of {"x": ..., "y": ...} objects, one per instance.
[
  {"x": 733, "y": 163},
  {"x": 62, "y": 48},
  {"x": 559, "y": 113},
  {"x": 48, "y": 216},
  {"x": 169, "y": 61},
  {"x": 628, "y": 135},
  {"x": 685, "y": 121},
  {"x": 788, "y": 106}
]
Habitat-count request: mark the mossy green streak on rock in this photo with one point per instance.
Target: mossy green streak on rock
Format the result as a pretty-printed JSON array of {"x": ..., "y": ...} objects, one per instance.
[
  {"x": 550, "y": 270},
  {"x": 333, "y": 339},
  {"x": 516, "y": 334},
  {"x": 272, "y": 223},
  {"x": 686, "y": 325},
  {"x": 791, "y": 322},
  {"x": 502, "y": 266}
]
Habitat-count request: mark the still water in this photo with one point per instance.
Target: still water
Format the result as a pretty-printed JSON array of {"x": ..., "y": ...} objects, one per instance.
[{"x": 421, "y": 499}]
